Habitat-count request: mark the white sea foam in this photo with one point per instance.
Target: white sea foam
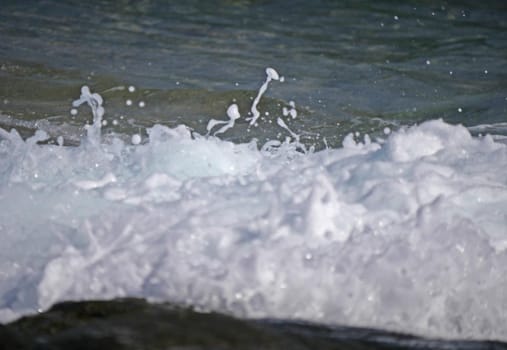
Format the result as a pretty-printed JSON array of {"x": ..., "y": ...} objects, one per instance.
[{"x": 409, "y": 233}]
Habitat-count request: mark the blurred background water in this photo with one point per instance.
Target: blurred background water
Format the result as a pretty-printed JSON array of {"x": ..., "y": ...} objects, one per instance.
[{"x": 349, "y": 65}]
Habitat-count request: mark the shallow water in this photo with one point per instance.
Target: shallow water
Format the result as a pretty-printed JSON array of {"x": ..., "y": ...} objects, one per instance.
[{"x": 334, "y": 208}]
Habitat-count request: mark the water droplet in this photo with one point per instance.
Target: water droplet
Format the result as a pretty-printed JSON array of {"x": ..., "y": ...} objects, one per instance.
[
  {"x": 136, "y": 139},
  {"x": 272, "y": 74}
]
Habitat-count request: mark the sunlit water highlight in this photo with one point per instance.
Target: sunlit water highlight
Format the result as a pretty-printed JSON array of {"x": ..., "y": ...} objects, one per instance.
[{"x": 406, "y": 233}]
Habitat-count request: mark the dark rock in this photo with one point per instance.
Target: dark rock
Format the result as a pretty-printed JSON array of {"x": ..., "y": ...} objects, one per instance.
[{"x": 137, "y": 324}]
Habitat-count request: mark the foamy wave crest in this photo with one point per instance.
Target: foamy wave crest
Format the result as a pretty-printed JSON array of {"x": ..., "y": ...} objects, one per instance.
[{"x": 407, "y": 233}]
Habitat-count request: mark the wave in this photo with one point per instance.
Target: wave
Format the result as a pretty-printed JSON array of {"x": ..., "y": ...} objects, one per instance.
[{"x": 406, "y": 232}]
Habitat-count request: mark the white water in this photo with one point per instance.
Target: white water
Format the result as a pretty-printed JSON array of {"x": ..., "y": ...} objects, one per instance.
[{"x": 407, "y": 233}]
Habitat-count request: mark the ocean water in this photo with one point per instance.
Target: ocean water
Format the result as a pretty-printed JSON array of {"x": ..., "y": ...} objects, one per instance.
[{"x": 334, "y": 162}]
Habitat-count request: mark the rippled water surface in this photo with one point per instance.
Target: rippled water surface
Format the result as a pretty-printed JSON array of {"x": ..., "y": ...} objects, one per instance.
[{"x": 362, "y": 64}]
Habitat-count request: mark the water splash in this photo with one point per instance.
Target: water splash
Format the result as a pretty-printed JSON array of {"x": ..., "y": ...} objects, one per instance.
[
  {"x": 232, "y": 113},
  {"x": 271, "y": 74},
  {"x": 407, "y": 232},
  {"x": 95, "y": 102}
]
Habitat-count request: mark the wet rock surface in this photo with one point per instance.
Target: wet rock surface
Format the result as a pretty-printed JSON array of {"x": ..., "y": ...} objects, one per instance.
[{"x": 137, "y": 324}]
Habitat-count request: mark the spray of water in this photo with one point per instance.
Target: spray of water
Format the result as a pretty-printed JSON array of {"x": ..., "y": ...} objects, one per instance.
[{"x": 406, "y": 233}]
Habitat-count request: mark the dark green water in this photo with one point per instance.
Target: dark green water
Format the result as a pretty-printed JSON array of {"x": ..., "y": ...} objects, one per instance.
[{"x": 349, "y": 65}]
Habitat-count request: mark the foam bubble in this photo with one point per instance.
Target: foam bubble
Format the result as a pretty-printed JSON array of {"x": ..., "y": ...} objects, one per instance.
[
  {"x": 233, "y": 112},
  {"x": 272, "y": 74},
  {"x": 136, "y": 139}
]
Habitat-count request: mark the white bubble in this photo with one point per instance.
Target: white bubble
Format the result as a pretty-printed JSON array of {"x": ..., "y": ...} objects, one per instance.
[
  {"x": 396, "y": 18},
  {"x": 115, "y": 122},
  {"x": 273, "y": 74},
  {"x": 128, "y": 102},
  {"x": 104, "y": 122},
  {"x": 485, "y": 71},
  {"x": 73, "y": 111},
  {"x": 387, "y": 130},
  {"x": 136, "y": 139},
  {"x": 141, "y": 104},
  {"x": 233, "y": 112},
  {"x": 132, "y": 88},
  {"x": 428, "y": 62},
  {"x": 460, "y": 110}
]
